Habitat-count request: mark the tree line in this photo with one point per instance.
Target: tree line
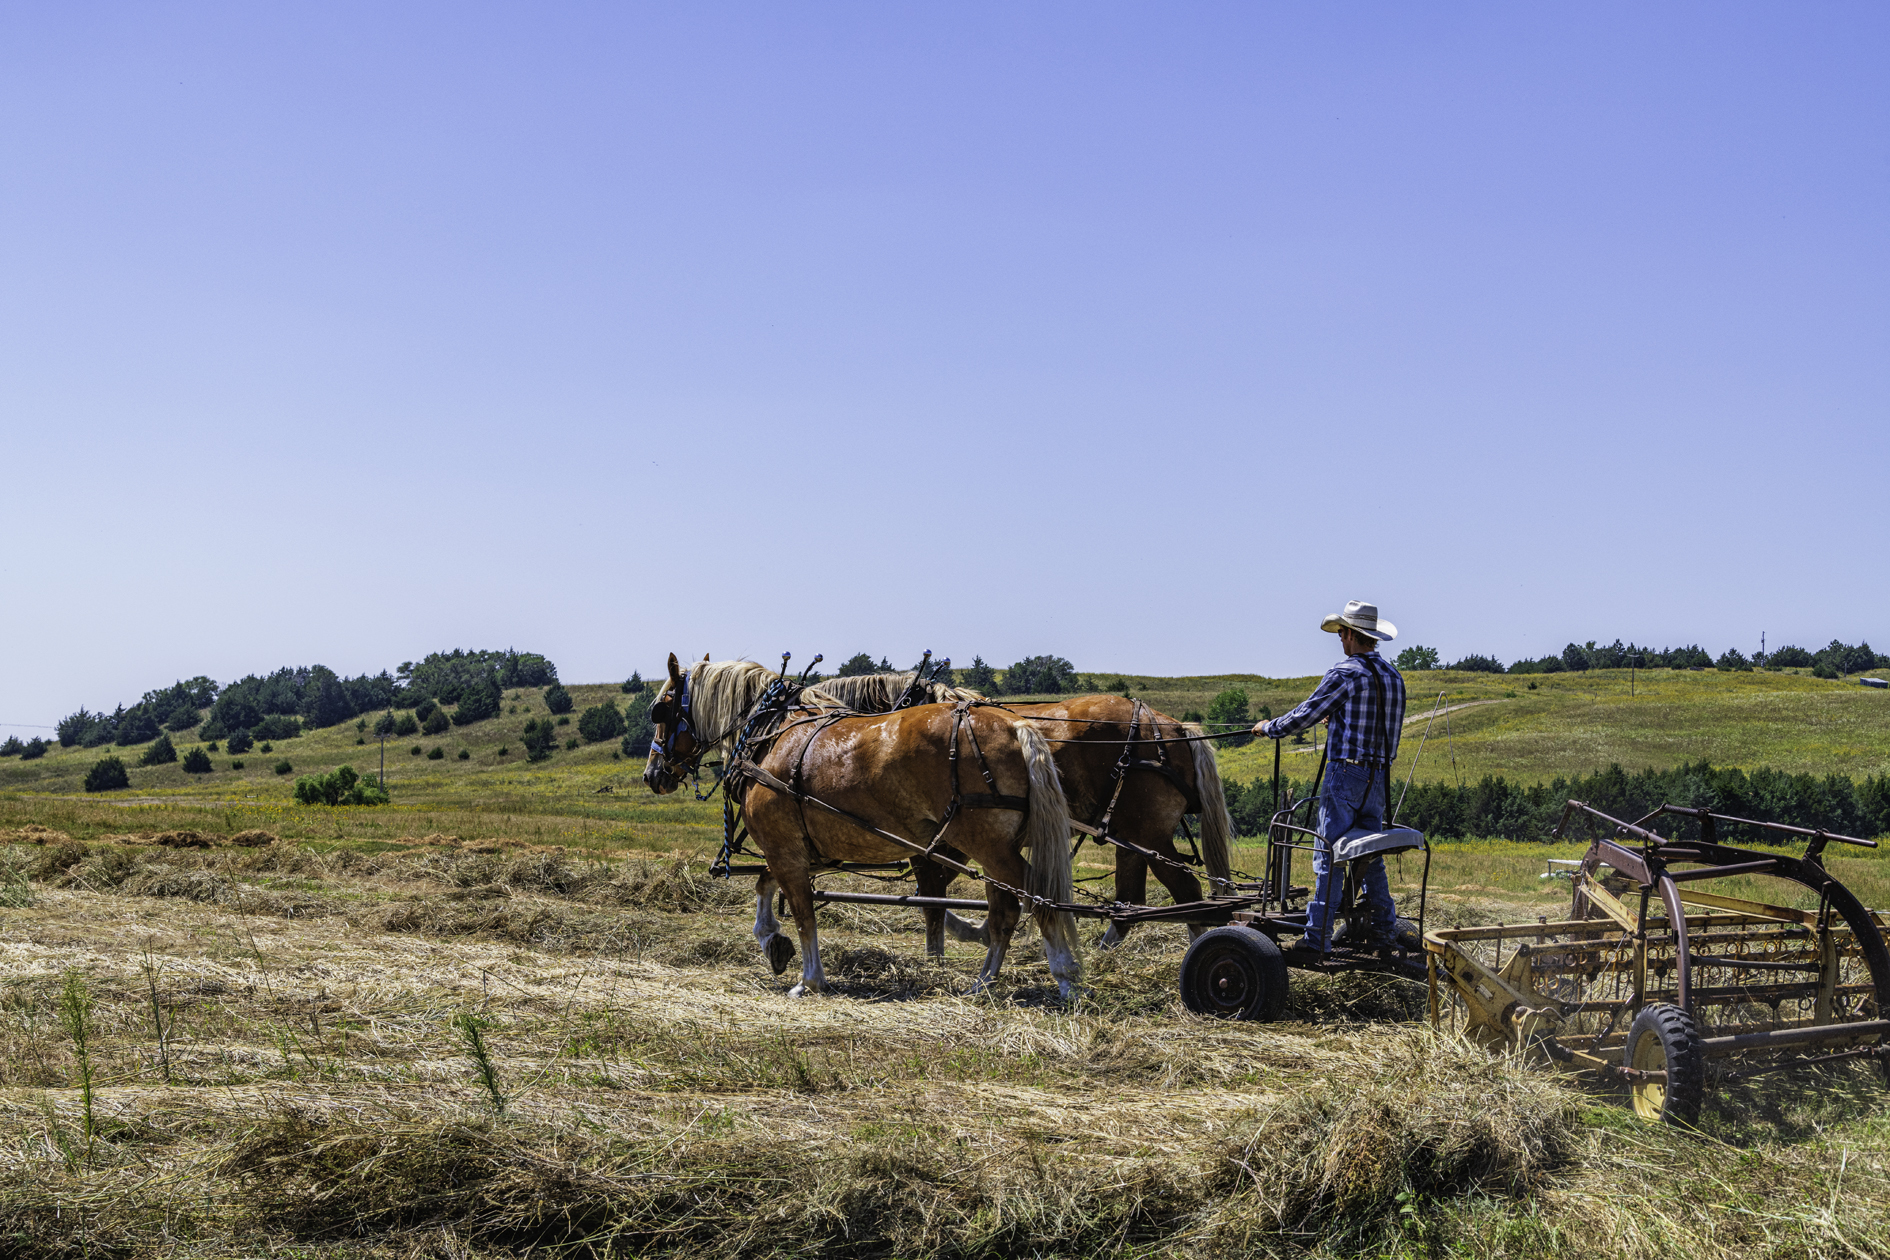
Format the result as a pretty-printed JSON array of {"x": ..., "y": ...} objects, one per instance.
[
  {"x": 1493, "y": 807},
  {"x": 281, "y": 704},
  {"x": 1835, "y": 660}
]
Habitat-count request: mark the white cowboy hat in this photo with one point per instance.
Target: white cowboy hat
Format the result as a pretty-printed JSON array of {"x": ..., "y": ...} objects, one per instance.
[{"x": 1362, "y": 618}]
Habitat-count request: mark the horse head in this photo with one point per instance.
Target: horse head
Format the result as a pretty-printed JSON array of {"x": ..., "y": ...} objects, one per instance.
[{"x": 676, "y": 746}]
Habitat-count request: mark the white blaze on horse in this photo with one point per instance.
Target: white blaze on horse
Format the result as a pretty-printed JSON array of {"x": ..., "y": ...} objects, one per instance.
[{"x": 823, "y": 785}]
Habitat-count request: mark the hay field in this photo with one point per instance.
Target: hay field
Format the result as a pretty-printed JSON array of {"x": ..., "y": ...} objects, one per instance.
[{"x": 279, "y": 1037}]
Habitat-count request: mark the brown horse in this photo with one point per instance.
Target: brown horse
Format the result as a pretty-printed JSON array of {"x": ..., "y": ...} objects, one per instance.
[
  {"x": 1089, "y": 734},
  {"x": 827, "y": 785}
]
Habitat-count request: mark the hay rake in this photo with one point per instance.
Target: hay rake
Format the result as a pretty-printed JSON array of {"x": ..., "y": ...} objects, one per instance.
[{"x": 1656, "y": 982}]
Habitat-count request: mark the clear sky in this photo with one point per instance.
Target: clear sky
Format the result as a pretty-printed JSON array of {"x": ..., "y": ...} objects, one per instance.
[{"x": 1143, "y": 334}]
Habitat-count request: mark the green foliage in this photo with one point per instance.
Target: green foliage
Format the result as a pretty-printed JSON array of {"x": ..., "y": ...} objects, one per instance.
[
  {"x": 1733, "y": 660},
  {"x": 540, "y": 739},
  {"x": 325, "y": 699},
  {"x": 1789, "y": 658},
  {"x": 107, "y": 774},
  {"x": 197, "y": 761},
  {"x": 136, "y": 726},
  {"x": 414, "y": 751},
  {"x": 1479, "y": 665},
  {"x": 277, "y": 726},
  {"x": 240, "y": 741},
  {"x": 404, "y": 725},
  {"x": 1844, "y": 659},
  {"x": 12, "y": 746},
  {"x": 283, "y": 767},
  {"x": 1039, "y": 675},
  {"x": 479, "y": 701},
  {"x": 161, "y": 752},
  {"x": 1824, "y": 669},
  {"x": 267, "y": 747},
  {"x": 1195, "y": 716},
  {"x": 34, "y": 748},
  {"x": 436, "y": 723},
  {"x": 633, "y": 684},
  {"x": 1416, "y": 658},
  {"x": 436, "y": 753},
  {"x": 571, "y": 743},
  {"x": 424, "y": 711},
  {"x": 979, "y": 676},
  {"x": 638, "y": 729},
  {"x": 557, "y": 699},
  {"x": 341, "y": 787},
  {"x": 1228, "y": 712},
  {"x": 464, "y": 755},
  {"x": 182, "y": 718},
  {"x": 601, "y": 722},
  {"x": 450, "y": 676},
  {"x": 237, "y": 764},
  {"x": 860, "y": 663}
]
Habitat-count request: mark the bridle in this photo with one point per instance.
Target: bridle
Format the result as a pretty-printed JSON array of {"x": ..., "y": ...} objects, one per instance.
[{"x": 665, "y": 749}]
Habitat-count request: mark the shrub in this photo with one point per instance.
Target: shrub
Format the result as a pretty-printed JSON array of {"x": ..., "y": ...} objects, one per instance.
[
  {"x": 1039, "y": 675},
  {"x": 1479, "y": 665},
  {"x": 563, "y": 720},
  {"x": 107, "y": 774},
  {"x": 267, "y": 747},
  {"x": 464, "y": 755},
  {"x": 197, "y": 761},
  {"x": 436, "y": 753},
  {"x": 1823, "y": 669},
  {"x": 183, "y": 717},
  {"x": 979, "y": 676},
  {"x": 160, "y": 753},
  {"x": 283, "y": 767},
  {"x": 1228, "y": 711},
  {"x": 342, "y": 787},
  {"x": 278, "y": 726},
  {"x": 414, "y": 751},
  {"x": 1789, "y": 658},
  {"x": 633, "y": 684},
  {"x": 1416, "y": 658},
  {"x": 241, "y": 741},
  {"x": 437, "y": 723},
  {"x": 1194, "y": 715},
  {"x": 557, "y": 699},
  {"x": 600, "y": 723},
  {"x": 425, "y": 710},
  {"x": 135, "y": 727},
  {"x": 1735, "y": 660},
  {"x": 237, "y": 764},
  {"x": 503, "y": 750},
  {"x": 404, "y": 725},
  {"x": 638, "y": 729},
  {"x": 571, "y": 743},
  {"x": 12, "y": 747},
  {"x": 539, "y": 740},
  {"x": 478, "y": 702},
  {"x": 360, "y": 739},
  {"x": 34, "y": 748}
]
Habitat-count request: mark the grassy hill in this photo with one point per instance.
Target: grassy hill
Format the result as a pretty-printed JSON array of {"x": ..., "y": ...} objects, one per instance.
[{"x": 592, "y": 796}]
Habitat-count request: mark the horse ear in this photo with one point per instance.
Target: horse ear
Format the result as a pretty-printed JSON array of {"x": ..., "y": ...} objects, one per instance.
[
  {"x": 675, "y": 674},
  {"x": 705, "y": 656}
]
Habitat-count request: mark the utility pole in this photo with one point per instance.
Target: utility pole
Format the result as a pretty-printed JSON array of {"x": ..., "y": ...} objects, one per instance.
[{"x": 384, "y": 724}]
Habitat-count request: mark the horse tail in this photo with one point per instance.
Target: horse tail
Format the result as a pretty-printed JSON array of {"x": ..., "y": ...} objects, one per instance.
[
  {"x": 1047, "y": 833},
  {"x": 1217, "y": 826}
]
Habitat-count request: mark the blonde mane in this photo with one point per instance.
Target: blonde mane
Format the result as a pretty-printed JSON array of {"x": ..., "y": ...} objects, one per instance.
[
  {"x": 877, "y": 693},
  {"x": 721, "y": 694}
]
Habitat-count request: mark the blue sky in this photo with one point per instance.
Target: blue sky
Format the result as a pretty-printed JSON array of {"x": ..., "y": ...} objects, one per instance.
[{"x": 1144, "y": 335}]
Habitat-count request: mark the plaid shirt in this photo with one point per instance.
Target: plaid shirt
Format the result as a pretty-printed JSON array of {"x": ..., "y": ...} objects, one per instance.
[{"x": 1347, "y": 696}]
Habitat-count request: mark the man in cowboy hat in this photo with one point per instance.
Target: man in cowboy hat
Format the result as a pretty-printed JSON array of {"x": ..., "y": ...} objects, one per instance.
[{"x": 1361, "y": 700}]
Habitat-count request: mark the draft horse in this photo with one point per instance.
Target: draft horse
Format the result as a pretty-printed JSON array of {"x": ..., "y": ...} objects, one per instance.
[
  {"x": 820, "y": 784},
  {"x": 1121, "y": 773}
]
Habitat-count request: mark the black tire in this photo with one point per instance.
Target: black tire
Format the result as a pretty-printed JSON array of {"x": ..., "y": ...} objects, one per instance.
[
  {"x": 1234, "y": 973},
  {"x": 1405, "y": 936},
  {"x": 1666, "y": 1038}
]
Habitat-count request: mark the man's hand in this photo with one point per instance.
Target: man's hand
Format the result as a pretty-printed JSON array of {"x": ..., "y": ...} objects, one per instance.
[{"x": 1260, "y": 728}]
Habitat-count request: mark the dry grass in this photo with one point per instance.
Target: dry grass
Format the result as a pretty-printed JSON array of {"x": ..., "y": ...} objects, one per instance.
[{"x": 661, "y": 1095}]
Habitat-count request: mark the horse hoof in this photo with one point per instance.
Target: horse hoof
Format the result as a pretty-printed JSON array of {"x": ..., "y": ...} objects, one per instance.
[
  {"x": 1109, "y": 939},
  {"x": 803, "y": 990},
  {"x": 780, "y": 951}
]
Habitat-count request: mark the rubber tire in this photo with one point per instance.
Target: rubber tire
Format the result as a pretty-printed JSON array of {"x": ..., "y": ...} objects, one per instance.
[
  {"x": 1234, "y": 973},
  {"x": 1664, "y": 1036}
]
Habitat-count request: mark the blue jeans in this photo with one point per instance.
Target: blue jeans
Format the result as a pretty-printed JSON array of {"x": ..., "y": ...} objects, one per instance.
[{"x": 1353, "y": 796}]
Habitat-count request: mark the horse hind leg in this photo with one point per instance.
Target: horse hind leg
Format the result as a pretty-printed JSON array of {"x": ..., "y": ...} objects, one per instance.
[
  {"x": 1131, "y": 890},
  {"x": 1000, "y": 922},
  {"x": 775, "y": 945},
  {"x": 800, "y": 898}
]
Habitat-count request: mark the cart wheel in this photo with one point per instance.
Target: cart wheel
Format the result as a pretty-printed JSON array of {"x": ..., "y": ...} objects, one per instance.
[
  {"x": 1666, "y": 1038},
  {"x": 1234, "y": 973},
  {"x": 1405, "y": 934}
]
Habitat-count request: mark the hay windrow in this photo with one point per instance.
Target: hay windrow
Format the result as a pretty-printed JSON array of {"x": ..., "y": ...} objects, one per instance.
[{"x": 663, "y": 1096}]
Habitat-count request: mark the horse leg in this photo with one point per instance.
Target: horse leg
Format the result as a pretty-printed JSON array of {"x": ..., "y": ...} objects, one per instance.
[
  {"x": 778, "y": 948},
  {"x": 800, "y": 899},
  {"x": 933, "y": 880},
  {"x": 1180, "y": 882},
  {"x": 1000, "y": 921},
  {"x": 1131, "y": 890}
]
